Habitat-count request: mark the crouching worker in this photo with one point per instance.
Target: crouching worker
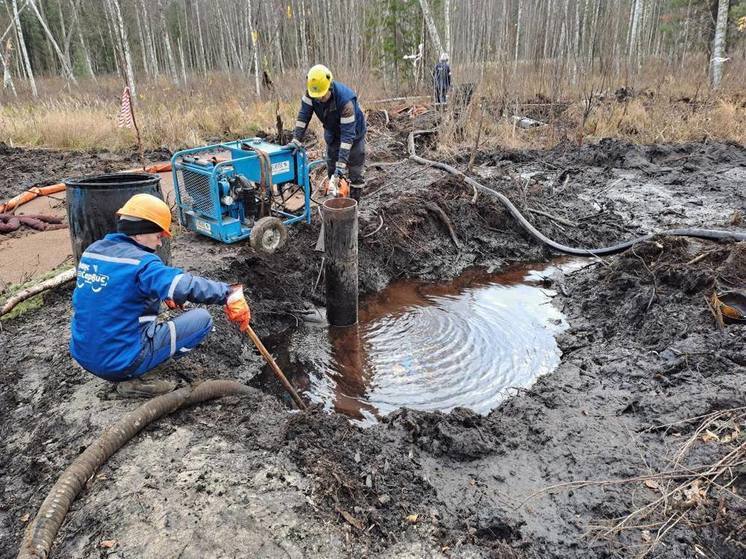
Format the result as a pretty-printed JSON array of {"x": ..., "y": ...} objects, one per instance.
[{"x": 121, "y": 283}]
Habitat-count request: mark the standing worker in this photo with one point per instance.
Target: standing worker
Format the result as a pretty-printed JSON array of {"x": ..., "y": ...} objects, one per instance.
[
  {"x": 344, "y": 128},
  {"x": 120, "y": 285},
  {"x": 442, "y": 81}
]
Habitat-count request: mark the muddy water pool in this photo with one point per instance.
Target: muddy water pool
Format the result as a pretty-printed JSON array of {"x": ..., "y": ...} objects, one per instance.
[{"x": 432, "y": 346}]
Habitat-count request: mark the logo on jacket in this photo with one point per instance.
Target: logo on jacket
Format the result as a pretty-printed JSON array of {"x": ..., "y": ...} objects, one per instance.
[{"x": 86, "y": 276}]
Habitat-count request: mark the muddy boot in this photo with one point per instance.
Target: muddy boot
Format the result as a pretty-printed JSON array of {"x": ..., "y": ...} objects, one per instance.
[
  {"x": 356, "y": 192},
  {"x": 144, "y": 387}
]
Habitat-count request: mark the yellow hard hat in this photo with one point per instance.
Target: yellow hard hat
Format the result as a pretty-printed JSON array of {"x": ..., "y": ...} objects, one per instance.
[
  {"x": 318, "y": 81},
  {"x": 150, "y": 208}
]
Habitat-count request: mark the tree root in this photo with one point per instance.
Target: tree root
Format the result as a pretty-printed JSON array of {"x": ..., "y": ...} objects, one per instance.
[
  {"x": 437, "y": 210},
  {"x": 41, "y": 532}
]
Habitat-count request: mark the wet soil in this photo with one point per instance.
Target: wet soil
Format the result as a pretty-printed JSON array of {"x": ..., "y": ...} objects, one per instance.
[
  {"x": 26, "y": 253},
  {"x": 250, "y": 477}
]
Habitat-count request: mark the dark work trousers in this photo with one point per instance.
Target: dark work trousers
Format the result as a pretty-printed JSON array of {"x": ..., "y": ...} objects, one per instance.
[{"x": 355, "y": 163}]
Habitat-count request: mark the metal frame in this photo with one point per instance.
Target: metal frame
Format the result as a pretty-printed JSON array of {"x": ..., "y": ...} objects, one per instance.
[{"x": 226, "y": 169}]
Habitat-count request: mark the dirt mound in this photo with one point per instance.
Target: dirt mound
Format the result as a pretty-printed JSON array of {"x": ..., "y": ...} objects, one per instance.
[
  {"x": 641, "y": 287},
  {"x": 460, "y": 434},
  {"x": 24, "y": 168}
]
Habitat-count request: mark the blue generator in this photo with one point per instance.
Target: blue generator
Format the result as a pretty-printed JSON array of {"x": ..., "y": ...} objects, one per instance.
[{"x": 245, "y": 188}]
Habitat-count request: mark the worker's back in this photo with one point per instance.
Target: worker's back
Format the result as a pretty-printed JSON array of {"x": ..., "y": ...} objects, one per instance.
[{"x": 117, "y": 290}]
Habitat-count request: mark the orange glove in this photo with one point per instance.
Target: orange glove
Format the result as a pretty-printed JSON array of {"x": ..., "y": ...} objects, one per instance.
[
  {"x": 344, "y": 188},
  {"x": 173, "y": 305},
  {"x": 337, "y": 186},
  {"x": 236, "y": 307}
]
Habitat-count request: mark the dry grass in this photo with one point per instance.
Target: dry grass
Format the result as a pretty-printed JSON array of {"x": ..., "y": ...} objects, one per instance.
[
  {"x": 669, "y": 105},
  {"x": 664, "y": 105},
  {"x": 213, "y": 108}
]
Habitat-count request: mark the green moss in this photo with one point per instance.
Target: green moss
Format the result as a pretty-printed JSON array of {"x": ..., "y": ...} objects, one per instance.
[
  {"x": 34, "y": 302},
  {"x": 28, "y": 305}
]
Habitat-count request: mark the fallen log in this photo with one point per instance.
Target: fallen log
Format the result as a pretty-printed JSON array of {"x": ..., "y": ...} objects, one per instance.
[
  {"x": 396, "y": 99},
  {"x": 21, "y": 296}
]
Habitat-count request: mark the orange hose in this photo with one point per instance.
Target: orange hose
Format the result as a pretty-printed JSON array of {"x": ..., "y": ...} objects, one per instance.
[
  {"x": 30, "y": 194},
  {"x": 154, "y": 168},
  {"x": 36, "y": 191}
]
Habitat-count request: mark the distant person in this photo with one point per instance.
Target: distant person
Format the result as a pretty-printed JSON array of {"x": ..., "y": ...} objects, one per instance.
[
  {"x": 441, "y": 81},
  {"x": 344, "y": 128},
  {"x": 121, "y": 283}
]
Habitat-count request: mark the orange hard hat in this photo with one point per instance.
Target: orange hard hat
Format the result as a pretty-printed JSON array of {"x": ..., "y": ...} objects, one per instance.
[{"x": 150, "y": 208}]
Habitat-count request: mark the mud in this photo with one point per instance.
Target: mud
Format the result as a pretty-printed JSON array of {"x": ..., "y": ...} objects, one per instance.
[
  {"x": 249, "y": 477},
  {"x": 26, "y": 253}
]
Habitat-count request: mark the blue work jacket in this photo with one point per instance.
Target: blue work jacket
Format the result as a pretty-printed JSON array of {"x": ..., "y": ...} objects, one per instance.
[
  {"x": 119, "y": 289},
  {"x": 341, "y": 116}
]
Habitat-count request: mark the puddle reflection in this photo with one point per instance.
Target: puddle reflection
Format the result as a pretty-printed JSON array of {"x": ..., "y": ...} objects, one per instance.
[{"x": 433, "y": 346}]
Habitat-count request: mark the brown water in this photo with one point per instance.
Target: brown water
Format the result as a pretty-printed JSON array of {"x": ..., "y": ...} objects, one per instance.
[{"x": 429, "y": 346}]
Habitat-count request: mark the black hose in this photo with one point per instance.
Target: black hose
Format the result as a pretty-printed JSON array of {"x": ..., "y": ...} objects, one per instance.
[{"x": 713, "y": 234}]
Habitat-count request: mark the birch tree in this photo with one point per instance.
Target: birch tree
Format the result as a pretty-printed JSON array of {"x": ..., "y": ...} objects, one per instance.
[
  {"x": 634, "y": 33},
  {"x": 64, "y": 60},
  {"x": 23, "y": 49},
  {"x": 122, "y": 32},
  {"x": 5, "y": 61},
  {"x": 447, "y": 18},
  {"x": 74, "y": 7},
  {"x": 718, "y": 44},
  {"x": 254, "y": 44},
  {"x": 431, "y": 29},
  {"x": 166, "y": 37}
]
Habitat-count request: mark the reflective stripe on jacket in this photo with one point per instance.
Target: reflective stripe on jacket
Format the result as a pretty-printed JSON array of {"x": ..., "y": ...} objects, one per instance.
[
  {"x": 341, "y": 117},
  {"x": 119, "y": 289}
]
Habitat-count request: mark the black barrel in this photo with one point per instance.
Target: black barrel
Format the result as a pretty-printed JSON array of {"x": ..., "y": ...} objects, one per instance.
[{"x": 92, "y": 203}]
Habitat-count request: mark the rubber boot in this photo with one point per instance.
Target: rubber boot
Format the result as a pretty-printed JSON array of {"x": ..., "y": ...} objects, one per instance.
[
  {"x": 356, "y": 192},
  {"x": 144, "y": 387}
]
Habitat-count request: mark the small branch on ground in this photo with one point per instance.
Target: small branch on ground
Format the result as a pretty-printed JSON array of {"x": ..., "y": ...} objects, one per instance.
[
  {"x": 554, "y": 217},
  {"x": 29, "y": 292},
  {"x": 716, "y": 313},
  {"x": 435, "y": 208}
]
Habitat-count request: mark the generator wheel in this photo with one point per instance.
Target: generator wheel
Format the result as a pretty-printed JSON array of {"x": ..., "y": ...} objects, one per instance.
[{"x": 268, "y": 235}]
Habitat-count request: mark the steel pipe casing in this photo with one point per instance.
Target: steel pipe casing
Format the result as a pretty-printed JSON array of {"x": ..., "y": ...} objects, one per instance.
[{"x": 341, "y": 272}]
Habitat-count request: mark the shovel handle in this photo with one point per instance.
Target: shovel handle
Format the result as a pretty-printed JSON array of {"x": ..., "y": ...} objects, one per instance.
[{"x": 275, "y": 368}]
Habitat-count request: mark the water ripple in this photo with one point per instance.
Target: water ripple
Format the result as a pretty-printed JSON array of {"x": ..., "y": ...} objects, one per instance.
[{"x": 435, "y": 347}]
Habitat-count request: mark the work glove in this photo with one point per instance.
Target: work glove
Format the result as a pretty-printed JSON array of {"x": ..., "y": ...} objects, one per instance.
[
  {"x": 334, "y": 185},
  {"x": 173, "y": 305},
  {"x": 294, "y": 145},
  {"x": 339, "y": 186},
  {"x": 236, "y": 307}
]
